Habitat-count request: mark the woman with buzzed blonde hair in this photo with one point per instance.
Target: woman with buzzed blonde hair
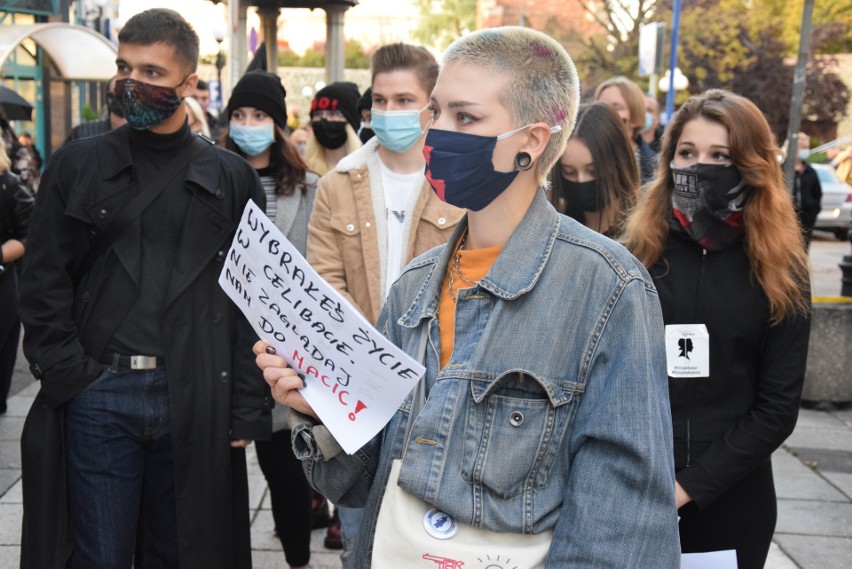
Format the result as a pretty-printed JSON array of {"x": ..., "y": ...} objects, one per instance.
[{"x": 540, "y": 433}]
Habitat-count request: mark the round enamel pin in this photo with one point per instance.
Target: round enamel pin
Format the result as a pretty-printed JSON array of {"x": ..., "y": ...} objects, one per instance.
[{"x": 440, "y": 524}]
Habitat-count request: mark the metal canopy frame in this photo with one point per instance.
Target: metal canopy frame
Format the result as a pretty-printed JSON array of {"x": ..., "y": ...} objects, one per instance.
[{"x": 79, "y": 53}]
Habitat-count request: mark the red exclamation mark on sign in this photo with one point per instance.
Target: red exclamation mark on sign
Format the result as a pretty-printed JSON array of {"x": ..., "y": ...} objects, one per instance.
[{"x": 358, "y": 407}]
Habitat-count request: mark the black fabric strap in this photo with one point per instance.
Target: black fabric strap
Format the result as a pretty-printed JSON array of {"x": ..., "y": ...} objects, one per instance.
[{"x": 137, "y": 205}]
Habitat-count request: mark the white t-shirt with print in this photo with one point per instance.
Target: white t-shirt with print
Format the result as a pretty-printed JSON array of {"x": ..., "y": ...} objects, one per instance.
[{"x": 401, "y": 192}]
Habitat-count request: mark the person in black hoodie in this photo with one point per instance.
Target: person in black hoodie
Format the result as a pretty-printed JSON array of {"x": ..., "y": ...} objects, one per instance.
[
  {"x": 807, "y": 191},
  {"x": 718, "y": 233}
]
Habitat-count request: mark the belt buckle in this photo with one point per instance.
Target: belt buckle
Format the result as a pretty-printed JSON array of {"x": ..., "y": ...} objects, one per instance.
[{"x": 143, "y": 362}]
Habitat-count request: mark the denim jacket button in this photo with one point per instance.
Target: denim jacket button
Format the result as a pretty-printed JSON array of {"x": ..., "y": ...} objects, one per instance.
[{"x": 516, "y": 418}]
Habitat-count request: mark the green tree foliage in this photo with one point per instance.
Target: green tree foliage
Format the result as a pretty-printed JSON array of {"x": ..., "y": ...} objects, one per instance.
[
  {"x": 289, "y": 58},
  {"x": 314, "y": 56},
  {"x": 745, "y": 46},
  {"x": 442, "y": 21},
  {"x": 742, "y": 47},
  {"x": 355, "y": 56},
  {"x": 831, "y": 23}
]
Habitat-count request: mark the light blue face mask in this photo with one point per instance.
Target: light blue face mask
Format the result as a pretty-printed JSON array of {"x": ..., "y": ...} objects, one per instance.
[
  {"x": 396, "y": 130},
  {"x": 252, "y": 140},
  {"x": 649, "y": 122}
]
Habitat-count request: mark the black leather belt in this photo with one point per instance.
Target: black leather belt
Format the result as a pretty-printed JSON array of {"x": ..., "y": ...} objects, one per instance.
[{"x": 135, "y": 362}]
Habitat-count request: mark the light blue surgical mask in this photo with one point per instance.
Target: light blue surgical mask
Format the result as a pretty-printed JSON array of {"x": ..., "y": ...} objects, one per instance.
[
  {"x": 396, "y": 130},
  {"x": 252, "y": 140},
  {"x": 649, "y": 122}
]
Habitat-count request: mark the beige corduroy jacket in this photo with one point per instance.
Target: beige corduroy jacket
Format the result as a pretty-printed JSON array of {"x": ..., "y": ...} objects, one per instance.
[{"x": 347, "y": 228}]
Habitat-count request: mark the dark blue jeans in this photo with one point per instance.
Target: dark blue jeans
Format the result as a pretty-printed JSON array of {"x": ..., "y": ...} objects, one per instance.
[{"x": 121, "y": 493}]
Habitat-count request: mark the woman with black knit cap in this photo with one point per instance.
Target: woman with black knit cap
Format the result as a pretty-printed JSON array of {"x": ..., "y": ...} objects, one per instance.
[
  {"x": 257, "y": 118},
  {"x": 334, "y": 122}
]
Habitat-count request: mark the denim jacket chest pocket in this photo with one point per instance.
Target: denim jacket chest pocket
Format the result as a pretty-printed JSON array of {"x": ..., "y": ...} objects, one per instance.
[{"x": 514, "y": 430}]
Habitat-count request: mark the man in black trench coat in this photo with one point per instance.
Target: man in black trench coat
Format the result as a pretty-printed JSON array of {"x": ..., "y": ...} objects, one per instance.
[{"x": 134, "y": 449}]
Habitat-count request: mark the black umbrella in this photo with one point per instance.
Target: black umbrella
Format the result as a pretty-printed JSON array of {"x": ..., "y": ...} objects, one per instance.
[
  {"x": 258, "y": 62},
  {"x": 15, "y": 106}
]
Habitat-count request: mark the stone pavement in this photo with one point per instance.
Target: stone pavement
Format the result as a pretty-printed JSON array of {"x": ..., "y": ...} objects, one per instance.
[{"x": 813, "y": 475}]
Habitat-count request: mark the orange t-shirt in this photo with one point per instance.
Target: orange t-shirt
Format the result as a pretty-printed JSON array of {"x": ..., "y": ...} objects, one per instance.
[{"x": 474, "y": 265}]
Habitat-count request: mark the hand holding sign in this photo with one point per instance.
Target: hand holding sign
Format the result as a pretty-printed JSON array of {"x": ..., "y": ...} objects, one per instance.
[
  {"x": 355, "y": 378},
  {"x": 283, "y": 380}
]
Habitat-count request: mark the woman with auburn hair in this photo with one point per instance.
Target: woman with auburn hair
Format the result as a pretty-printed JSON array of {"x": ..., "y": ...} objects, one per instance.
[
  {"x": 539, "y": 454},
  {"x": 596, "y": 181},
  {"x": 628, "y": 100},
  {"x": 719, "y": 236}
]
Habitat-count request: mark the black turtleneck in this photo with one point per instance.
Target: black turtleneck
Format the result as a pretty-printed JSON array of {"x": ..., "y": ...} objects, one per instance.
[{"x": 162, "y": 223}]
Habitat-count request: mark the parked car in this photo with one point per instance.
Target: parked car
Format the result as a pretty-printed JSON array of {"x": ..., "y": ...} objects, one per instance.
[{"x": 836, "y": 212}]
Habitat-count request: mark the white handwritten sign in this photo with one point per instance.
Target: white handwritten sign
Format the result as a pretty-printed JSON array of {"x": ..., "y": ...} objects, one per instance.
[
  {"x": 726, "y": 559},
  {"x": 355, "y": 378}
]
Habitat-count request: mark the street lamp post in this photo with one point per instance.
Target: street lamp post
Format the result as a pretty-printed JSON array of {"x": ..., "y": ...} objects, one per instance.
[
  {"x": 679, "y": 81},
  {"x": 219, "y": 36},
  {"x": 670, "y": 92}
]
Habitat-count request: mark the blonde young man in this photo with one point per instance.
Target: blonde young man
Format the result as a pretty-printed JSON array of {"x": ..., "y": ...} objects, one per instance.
[{"x": 375, "y": 211}]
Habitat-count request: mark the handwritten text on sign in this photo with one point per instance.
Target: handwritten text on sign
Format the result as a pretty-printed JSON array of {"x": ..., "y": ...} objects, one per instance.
[{"x": 356, "y": 378}]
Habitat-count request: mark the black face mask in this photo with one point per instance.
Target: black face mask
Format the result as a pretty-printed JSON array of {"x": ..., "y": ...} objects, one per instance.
[
  {"x": 708, "y": 202},
  {"x": 331, "y": 135},
  {"x": 584, "y": 194},
  {"x": 366, "y": 134}
]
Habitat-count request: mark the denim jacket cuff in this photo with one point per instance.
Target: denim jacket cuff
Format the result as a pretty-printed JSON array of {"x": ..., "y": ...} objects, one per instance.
[{"x": 312, "y": 440}]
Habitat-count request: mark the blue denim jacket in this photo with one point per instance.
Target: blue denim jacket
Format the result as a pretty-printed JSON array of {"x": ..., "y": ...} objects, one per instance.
[{"x": 553, "y": 411}]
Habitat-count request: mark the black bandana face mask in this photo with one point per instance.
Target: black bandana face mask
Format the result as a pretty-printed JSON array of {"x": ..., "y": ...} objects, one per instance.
[{"x": 708, "y": 202}]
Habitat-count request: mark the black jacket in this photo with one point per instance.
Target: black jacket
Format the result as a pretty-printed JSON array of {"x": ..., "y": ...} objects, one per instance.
[
  {"x": 726, "y": 425},
  {"x": 807, "y": 193},
  {"x": 217, "y": 393},
  {"x": 89, "y": 128},
  {"x": 647, "y": 160},
  {"x": 16, "y": 206}
]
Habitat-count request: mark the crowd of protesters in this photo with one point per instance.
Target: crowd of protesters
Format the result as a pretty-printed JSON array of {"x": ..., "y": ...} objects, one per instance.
[{"x": 551, "y": 262}]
